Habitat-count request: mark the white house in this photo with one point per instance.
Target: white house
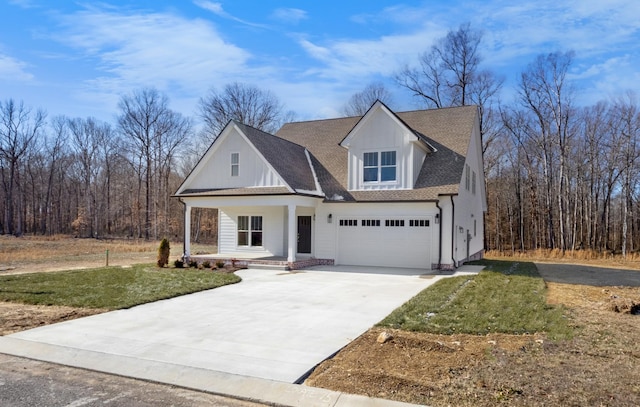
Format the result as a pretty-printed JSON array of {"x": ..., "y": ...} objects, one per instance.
[{"x": 385, "y": 189}]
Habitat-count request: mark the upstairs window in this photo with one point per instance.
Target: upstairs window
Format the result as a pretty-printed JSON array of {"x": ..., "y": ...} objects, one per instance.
[
  {"x": 379, "y": 166},
  {"x": 235, "y": 164},
  {"x": 473, "y": 182},
  {"x": 467, "y": 173}
]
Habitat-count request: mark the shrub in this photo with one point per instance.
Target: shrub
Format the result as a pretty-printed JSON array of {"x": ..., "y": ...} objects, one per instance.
[
  {"x": 220, "y": 264},
  {"x": 206, "y": 264},
  {"x": 163, "y": 253},
  {"x": 193, "y": 263},
  {"x": 178, "y": 264}
]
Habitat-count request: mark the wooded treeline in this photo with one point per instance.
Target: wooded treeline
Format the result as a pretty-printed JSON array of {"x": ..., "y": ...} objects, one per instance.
[{"x": 559, "y": 174}]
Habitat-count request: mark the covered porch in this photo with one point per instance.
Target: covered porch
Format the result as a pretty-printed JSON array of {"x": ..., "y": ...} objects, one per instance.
[{"x": 269, "y": 230}]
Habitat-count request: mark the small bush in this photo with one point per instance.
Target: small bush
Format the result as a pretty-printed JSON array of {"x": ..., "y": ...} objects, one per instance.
[
  {"x": 220, "y": 264},
  {"x": 163, "y": 253},
  {"x": 193, "y": 264},
  {"x": 178, "y": 264},
  {"x": 206, "y": 264}
]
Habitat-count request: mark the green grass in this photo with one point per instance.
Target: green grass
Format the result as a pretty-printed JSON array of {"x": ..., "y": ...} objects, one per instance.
[
  {"x": 505, "y": 297},
  {"x": 108, "y": 287}
]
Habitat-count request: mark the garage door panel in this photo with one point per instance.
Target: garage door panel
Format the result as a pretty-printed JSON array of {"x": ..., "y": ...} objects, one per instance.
[{"x": 394, "y": 246}]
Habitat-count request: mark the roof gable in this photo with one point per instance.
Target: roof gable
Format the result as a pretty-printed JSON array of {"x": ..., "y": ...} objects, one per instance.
[
  {"x": 447, "y": 131},
  {"x": 262, "y": 158}
]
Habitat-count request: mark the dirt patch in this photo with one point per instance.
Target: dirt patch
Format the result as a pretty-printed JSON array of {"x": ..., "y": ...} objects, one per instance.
[
  {"x": 19, "y": 317},
  {"x": 599, "y": 366}
]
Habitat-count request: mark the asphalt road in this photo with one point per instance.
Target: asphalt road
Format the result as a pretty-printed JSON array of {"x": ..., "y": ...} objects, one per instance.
[
  {"x": 588, "y": 275},
  {"x": 30, "y": 383}
]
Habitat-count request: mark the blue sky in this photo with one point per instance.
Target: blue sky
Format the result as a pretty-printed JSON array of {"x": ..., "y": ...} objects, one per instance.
[{"x": 78, "y": 57}]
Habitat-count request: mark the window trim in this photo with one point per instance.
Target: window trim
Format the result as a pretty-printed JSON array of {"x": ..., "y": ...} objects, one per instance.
[
  {"x": 250, "y": 231},
  {"x": 235, "y": 165},
  {"x": 379, "y": 167}
]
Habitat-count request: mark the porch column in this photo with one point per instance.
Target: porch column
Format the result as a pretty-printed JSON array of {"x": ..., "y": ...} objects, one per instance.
[
  {"x": 291, "y": 235},
  {"x": 187, "y": 231}
]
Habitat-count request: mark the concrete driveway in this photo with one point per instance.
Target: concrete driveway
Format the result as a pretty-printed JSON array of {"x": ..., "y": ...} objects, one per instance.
[
  {"x": 588, "y": 275},
  {"x": 273, "y": 325}
]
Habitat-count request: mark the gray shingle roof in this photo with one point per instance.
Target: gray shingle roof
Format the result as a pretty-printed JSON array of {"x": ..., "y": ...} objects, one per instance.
[
  {"x": 448, "y": 130},
  {"x": 287, "y": 158}
]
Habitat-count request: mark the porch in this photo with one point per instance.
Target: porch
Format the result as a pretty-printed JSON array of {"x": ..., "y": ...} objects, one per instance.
[{"x": 273, "y": 262}]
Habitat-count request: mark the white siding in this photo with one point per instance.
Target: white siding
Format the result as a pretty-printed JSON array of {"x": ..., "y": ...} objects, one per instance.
[
  {"x": 215, "y": 172},
  {"x": 379, "y": 131},
  {"x": 272, "y": 232}
]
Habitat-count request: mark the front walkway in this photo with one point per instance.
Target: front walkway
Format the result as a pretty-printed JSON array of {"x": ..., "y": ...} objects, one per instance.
[{"x": 273, "y": 325}]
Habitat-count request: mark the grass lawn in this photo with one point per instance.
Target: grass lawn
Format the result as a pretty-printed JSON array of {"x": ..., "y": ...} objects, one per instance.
[
  {"x": 109, "y": 287},
  {"x": 506, "y": 297}
]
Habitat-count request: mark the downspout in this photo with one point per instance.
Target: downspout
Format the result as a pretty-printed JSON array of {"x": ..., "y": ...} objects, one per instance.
[
  {"x": 439, "y": 236},
  {"x": 453, "y": 230}
]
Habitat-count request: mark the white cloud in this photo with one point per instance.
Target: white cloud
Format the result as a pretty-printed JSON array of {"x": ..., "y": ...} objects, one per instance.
[
  {"x": 217, "y": 9},
  {"x": 12, "y": 69},
  {"x": 161, "y": 50},
  {"x": 289, "y": 15}
]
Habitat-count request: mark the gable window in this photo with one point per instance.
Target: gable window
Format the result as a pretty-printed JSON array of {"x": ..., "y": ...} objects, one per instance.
[
  {"x": 250, "y": 231},
  {"x": 235, "y": 164},
  {"x": 473, "y": 182},
  {"x": 467, "y": 171},
  {"x": 379, "y": 166}
]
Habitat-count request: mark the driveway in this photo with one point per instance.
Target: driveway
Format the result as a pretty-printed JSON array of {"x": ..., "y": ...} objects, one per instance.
[
  {"x": 273, "y": 325},
  {"x": 588, "y": 275}
]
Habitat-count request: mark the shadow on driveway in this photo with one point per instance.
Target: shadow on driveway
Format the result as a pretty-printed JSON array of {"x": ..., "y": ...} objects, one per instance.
[{"x": 588, "y": 275}]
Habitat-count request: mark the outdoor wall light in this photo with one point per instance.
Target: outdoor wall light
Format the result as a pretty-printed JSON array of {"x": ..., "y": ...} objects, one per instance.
[
  {"x": 437, "y": 218},
  {"x": 329, "y": 218}
]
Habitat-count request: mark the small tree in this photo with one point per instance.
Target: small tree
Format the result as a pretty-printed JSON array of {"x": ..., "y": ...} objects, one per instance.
[{"x": 163, "y": 253}]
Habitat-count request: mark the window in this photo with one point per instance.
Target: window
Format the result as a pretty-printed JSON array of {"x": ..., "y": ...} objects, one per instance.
[
  {"x": 348, "y": 222},
  {"x": 235, "y": 164},
  {"x": 379, "y": 166},
  {"x": 370, "y": 222},
  {"x": 467, "y": 171},
  {"x": 394, "y": 222},
  {"x": 250, "y": 231},
  {"x": 473, "y": 183},
  {"x": 419, "y": 223}
]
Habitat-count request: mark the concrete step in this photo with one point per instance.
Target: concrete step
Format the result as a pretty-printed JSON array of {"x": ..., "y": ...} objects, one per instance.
[{"x": 262, "y": 266}]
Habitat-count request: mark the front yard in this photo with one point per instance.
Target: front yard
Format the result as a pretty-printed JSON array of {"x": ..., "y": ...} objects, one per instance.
[{"x": 500, "y": 338}]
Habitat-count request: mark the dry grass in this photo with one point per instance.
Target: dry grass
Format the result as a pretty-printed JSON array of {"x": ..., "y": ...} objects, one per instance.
[
  {"x": 60, "y": 252},
  {"x": 583, "y": 257}
]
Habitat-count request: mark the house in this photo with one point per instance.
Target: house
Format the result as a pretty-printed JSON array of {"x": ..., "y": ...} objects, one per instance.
[{"x": 385, "y": 189}]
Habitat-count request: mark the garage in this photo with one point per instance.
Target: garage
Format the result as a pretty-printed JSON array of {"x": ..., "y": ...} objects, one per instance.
[{"x": 385, "y": 241}]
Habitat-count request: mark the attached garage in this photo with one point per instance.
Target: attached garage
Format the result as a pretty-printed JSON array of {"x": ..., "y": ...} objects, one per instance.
[{"x": 396, "y": 241}]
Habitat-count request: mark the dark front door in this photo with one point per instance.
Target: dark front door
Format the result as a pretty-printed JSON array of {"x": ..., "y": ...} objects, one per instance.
[{"x": 304, "y": 234}]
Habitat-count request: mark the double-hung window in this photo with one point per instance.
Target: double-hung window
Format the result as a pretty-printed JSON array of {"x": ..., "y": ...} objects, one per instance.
[
  {"x": 235, "y": 164},
  {"x": 379, "y": 166},
  {"x": 250, "y": 231}
]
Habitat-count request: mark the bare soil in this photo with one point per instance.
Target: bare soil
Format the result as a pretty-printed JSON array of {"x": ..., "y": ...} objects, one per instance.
[{"x": 599, "y": 366}]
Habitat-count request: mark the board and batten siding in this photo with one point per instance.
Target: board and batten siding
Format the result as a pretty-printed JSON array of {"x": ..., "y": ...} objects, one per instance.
[{"x": 253, "y": 170}]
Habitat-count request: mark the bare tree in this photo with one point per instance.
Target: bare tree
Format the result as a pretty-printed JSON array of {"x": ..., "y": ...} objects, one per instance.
[
  {"x": 152, "y": 133},
  {"x": 246, "y": 103},
  {"x": 19, "y": 128},
  {"x": 449, "y": 74},
  {"x": 361, "y": 101}
]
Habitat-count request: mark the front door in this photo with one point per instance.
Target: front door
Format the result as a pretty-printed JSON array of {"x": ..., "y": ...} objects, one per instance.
[{"x": 304, "y": 234}]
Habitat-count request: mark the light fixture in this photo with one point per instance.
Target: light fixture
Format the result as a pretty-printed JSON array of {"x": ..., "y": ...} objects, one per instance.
[{"x": 329, "y": 218}]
